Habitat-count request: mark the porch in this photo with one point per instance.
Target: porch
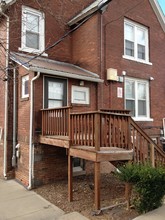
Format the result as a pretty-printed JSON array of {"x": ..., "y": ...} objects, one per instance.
[{"x": 97, "y": 136}]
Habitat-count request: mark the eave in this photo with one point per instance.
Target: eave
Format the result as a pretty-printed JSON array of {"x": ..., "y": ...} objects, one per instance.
[
  {"x": 159, "y": 13},
  {"x": 95, "y": 6}
]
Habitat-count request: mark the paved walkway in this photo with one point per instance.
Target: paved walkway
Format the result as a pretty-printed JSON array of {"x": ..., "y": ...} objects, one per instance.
[
  {"x": 157, "y": 214},
  {"x": 17, "y": 203}
]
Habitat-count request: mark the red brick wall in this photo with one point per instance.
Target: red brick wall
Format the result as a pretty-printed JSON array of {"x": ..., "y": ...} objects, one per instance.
[
  {"x": 86, "y": 45},
  {"x": 142, "y": 13},
  {"x": 57, "y": 14},
  {"x": 86, "y": 51},
  {"x": 50, "y": 164},
  {"x": 23, "y": 130}
]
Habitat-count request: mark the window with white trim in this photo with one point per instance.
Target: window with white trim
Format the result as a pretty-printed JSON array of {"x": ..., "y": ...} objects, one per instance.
[
  {"x": 25, "y": 86},
  {"x": 136, "y": 41},
  {"x": 80, "y": 95},
  {"x": 33, "y": 30},
  {"x": 137, "y": 97}
]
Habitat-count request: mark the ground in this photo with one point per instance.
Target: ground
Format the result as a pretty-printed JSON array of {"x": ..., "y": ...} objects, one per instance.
[{"x": 112, "y": 193}]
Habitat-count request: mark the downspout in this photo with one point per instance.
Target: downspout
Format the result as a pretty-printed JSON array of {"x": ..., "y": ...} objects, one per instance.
[
  {"x": 31, "y": 144},
  {"x": 14, "y": 118},
  {"x": 6, "y": 96}
]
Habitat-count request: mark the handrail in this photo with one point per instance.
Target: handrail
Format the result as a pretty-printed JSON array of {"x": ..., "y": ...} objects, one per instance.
[
  {"x": 55, "y": 121},
  {"x": 156, "y": 152}
]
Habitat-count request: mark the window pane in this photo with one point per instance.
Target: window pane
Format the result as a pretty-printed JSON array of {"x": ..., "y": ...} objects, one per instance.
[
  {"x": 80, "y": 95},
  {"x": 129, "y": 32},
  {"x": 32, "y": 22},
  {"x": 130, "y": 89},
  {"x": 54, "y": 103},
  {"x": 32, "y": 40},
  {"x": 141, "y": 37},
  {"x": 141, "y": 91},
  {"x": 26, "y": 90},
  {"x": 141, "y": 108},
  {"x": 129, "y": 48},
  {"x": 130, "y": 105},
  {"x": 141, "y": 52},
  {"x": 55, "y": 90},
  {"x": 25, "y": 87}
]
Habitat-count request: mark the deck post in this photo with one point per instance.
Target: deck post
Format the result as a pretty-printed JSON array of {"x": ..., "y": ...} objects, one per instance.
[
  {"x": 97, "y": 185},
  {"x": 70, "y": 170}
]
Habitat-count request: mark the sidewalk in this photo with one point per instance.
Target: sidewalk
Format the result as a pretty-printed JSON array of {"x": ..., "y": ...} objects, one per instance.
[
  {"x": 157, "y": 214},
  {"x": 17, "y": 203}
]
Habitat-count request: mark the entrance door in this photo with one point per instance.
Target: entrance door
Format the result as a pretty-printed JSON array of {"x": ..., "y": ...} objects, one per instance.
[{"x": 55, "y": 93}]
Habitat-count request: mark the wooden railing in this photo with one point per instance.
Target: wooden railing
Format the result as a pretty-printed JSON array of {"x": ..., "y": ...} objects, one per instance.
[
  {"x": 55, "y": 121},
  {"x": 145, "y": 149},
  {"x": 107, "y": 129},
  {"x": 102, "y": 129}
]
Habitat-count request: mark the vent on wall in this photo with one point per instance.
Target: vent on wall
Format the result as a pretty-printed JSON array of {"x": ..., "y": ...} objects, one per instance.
[{"x": 112, "y": 74}]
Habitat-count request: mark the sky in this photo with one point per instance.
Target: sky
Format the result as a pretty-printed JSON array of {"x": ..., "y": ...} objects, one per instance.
[{"x": 162, "y": 4}]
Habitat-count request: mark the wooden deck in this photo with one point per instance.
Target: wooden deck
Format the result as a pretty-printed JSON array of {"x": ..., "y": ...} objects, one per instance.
[
  {"x": 105, "y": 135},
  {"x": 54, "y": 140},
  {"x": 104, "y": 154}
]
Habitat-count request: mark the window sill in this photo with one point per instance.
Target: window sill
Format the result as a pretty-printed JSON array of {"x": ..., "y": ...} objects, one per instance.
[
  {"x": 24, "y": 99},
  {"x": 142, "y": 119},
  {"x": 137, "y": 60},
  {"x": 29, "y": 50},
  {"x": 80, "y": 104}
]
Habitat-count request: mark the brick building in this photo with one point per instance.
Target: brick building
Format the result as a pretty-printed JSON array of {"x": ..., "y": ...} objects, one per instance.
[{"x": 89, "y": 55}]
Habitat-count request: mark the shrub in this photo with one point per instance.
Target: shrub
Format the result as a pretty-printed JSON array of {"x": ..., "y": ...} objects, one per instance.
[{"x": 148, "y": 183}]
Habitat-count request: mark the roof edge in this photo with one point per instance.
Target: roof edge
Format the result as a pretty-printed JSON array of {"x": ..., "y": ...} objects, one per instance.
[
  {"x": 4, "y": 5},
  {"x": 159, "y": 13},
  {"x": 65, "y": 74},
  {"x": 98, "y": 4}
]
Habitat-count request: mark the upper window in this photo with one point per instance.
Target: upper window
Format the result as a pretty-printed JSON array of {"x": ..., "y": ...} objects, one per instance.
[
  {"x": 25, "y": 86},
  {"x": 136, "y": 42},
  {"x": 33, "y": 30},
  {"x": 137, "y": 97}
]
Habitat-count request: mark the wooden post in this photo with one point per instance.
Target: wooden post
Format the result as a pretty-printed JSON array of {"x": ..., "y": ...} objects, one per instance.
[
  {"x": 97, "y": 185},
  {"x": 70, "y": 184},
  {"x": 152, "y": 155}
]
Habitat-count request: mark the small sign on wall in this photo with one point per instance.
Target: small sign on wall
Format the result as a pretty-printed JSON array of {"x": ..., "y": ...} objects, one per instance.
[{"x": 119, "y": 92}]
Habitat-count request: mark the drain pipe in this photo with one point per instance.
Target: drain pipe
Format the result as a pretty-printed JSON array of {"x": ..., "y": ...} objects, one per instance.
[
  {"x": 6, "y": 96},
  {"x": 14, "y": 118},
  {"x": 31, "y": 145}
]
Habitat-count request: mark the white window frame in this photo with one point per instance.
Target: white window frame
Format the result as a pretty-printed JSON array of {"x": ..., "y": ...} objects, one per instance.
[
  {"x": 135, "y": 28},
  {"x": 146, "y": 82},
  {"x": 41, "y": 32},
  {"x": 24, "y": 79},
  {"x": 84, "y": 90}
]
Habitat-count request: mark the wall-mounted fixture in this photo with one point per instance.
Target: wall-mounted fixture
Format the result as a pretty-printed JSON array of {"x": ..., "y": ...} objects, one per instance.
[
  {"x": 112, "y": 74},
  {"x": 123, "y": 73},
  {"x": 81, "y": 83},
  {"x": 151, "y": 78}
]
